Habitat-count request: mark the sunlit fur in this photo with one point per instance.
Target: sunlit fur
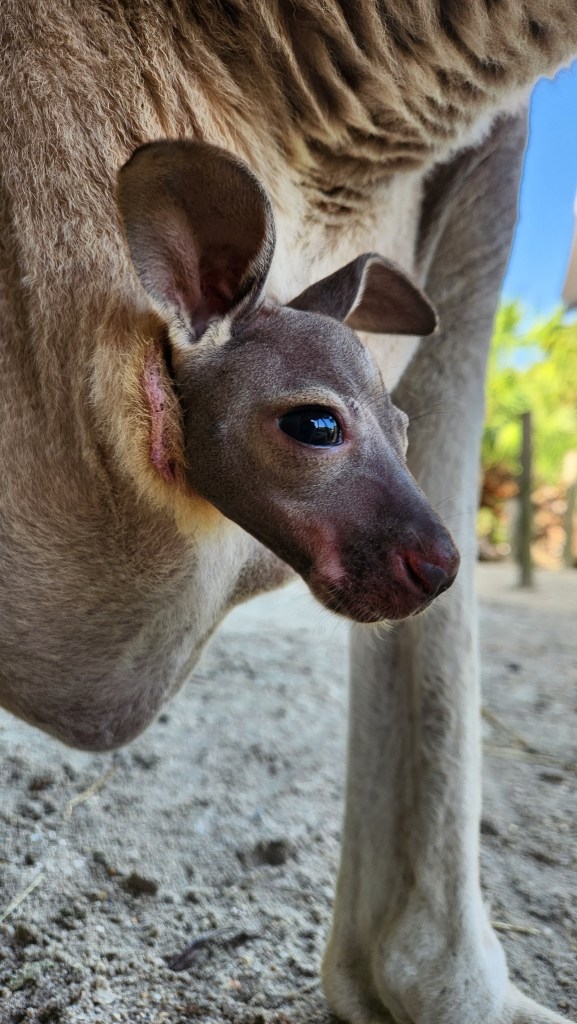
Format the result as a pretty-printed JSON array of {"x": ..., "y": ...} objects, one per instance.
[{"x": 346, "y": 111}]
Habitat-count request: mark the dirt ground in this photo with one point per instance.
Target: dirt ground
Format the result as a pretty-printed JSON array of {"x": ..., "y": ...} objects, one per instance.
[{"x": 226, "y": 815}]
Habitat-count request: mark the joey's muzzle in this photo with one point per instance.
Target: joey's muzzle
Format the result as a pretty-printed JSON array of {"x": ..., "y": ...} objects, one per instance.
[{"x": 393, "y": 569}]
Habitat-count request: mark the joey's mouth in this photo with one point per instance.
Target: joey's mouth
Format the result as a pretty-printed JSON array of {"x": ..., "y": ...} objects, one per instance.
[
  {"x": 358, "y": 604},
  {"x": 394, "y": 592}
]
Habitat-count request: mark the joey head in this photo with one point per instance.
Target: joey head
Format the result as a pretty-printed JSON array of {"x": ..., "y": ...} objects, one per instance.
[{"x": 287, "y": 427}]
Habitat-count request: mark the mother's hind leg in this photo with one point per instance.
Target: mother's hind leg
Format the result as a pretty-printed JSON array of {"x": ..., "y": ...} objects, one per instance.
[{"x": 411, "y": 937}]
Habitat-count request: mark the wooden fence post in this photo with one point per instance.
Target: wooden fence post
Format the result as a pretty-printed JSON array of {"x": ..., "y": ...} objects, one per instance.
[
  {"x": 526, "y": 511},
  {"x": 569, "y": 516},
  {"x": 569, "y": 477}
]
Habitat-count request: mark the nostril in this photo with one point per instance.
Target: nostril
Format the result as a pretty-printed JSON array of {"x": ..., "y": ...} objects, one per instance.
[{"x": 431, "y": 579}]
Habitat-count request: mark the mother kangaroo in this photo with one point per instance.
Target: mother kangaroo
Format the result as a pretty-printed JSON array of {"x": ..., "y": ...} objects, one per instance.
[{"x": 201, "y": 204}]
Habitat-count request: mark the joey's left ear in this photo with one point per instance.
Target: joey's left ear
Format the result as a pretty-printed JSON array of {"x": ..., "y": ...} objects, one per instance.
[
  {"x": 371, "y": 294},
  {"x": 200, "y": 231}
]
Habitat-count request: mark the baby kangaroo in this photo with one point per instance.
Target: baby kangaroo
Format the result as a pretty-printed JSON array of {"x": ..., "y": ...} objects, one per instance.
[
  {"x": 213, "y": 417},
  {"x": 287, "y": 427}
]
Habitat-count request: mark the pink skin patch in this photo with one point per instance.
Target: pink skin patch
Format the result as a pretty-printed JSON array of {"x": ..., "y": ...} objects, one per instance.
[
  {"x": 328, "y": 570},
  {"x": 329, "y": 566},
  {"x": 154, "y": 389}
]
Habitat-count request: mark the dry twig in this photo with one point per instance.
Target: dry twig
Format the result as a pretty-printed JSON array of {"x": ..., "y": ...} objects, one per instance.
[
  {"x": 217, "y": 936},
  {"x": 547, "y": 760},
  {"x": 87, "y": 793},
  {"x": 494, "y": 720},
  {"x": 525, "y": 751},
  {"x": 519, "y": 929},
  {"x": 21, "y": 897}
]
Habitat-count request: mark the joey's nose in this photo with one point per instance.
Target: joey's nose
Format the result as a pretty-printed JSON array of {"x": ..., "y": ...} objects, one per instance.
[{"x": 435, "y": 571}]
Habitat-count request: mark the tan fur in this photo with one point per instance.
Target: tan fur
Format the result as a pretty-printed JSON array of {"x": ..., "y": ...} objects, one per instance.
[
  {"x": 342, "y": 109},
  {"x": 325, "y": 102}
]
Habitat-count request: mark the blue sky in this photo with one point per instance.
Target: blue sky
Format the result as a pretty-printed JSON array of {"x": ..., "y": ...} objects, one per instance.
[{"x": 544, "y": 233}]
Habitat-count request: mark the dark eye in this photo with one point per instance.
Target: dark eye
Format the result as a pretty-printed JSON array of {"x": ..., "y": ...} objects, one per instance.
[{"x": 312, "y": 424}]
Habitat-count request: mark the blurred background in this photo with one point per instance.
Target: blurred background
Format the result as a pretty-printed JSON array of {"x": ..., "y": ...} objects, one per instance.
[{"x": 528, "y": 509}]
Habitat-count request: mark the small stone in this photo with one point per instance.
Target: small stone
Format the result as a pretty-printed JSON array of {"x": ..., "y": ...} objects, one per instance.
[
  {"x": 275, "y": 851},
  {"x": 145, "y": 759},
  {"x": 40, "y": 782},
  {"x": 544, "y": 857},
  {"x": 97, "y": 895},
  {"x": 259, "y": 1017},
  {"x": 24, "y": 935},
  {"x": 552, "y": 776},
  {"x": 31, "y": 810},
  {"x": 50, "y": 1013},
  {"x": 29, "y": 976},
  {"x": 272, "y": 851},
  {"x": 139, "y": 885},
  {"x": 104, "y": 996}
]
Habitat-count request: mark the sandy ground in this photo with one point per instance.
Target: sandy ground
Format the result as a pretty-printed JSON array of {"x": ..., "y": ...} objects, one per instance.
[{"x": 226, "y": 815}]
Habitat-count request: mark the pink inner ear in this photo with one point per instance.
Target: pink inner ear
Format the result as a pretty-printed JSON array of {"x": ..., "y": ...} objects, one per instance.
[
  {"x": 215, "y": 297},
  {"x": 199, "y": 226},
  {"x": 217, "y": 292}
]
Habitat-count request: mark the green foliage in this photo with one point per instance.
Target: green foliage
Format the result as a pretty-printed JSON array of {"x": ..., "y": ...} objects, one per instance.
[{"x": 531, "y": 370}]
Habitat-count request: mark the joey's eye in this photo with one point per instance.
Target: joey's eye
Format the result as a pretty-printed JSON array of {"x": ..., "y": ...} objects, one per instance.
[{"x": 312, "y": 424}]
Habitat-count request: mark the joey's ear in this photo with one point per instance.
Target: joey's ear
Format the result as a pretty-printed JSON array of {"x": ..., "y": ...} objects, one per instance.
[
  {"x": 200, "y": 230},
  {"x": 371, "y": 294}
]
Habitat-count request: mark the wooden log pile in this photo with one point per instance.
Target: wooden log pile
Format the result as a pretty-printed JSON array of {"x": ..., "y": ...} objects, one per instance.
[{"x": 499, "y": 496}]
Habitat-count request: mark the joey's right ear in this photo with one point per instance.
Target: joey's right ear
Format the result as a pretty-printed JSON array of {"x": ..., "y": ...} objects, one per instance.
[
  {"x": 200, "y": 230},
  {"x": 371, "y": 294}
]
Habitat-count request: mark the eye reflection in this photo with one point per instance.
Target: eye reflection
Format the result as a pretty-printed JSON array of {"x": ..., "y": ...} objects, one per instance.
[{"x": 313, "y": 425}]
